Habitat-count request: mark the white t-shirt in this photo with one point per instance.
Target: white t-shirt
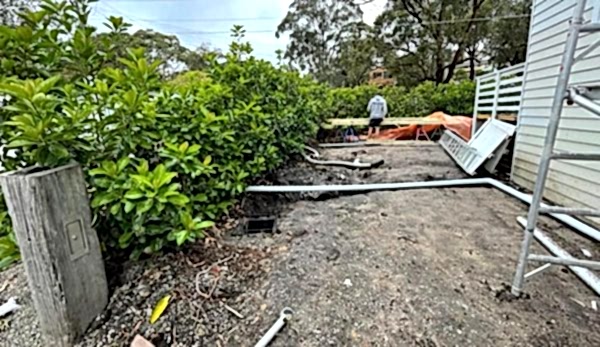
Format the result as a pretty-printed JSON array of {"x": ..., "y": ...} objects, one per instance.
[{"x": 377, "y": 107}]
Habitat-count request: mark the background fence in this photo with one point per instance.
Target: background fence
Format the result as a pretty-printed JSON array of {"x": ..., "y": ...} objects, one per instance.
[{"x": 498, "y": 93}]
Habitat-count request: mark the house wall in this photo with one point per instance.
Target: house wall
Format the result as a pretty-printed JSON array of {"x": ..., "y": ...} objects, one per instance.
[{"x": 570, "y": 183}]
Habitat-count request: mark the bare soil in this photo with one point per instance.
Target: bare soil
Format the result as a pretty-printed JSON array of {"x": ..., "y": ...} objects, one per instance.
[{"x": 427, "y": 267}]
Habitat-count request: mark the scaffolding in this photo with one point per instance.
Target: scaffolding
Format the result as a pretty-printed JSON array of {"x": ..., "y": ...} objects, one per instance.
[{"x": 584, "y": 97}]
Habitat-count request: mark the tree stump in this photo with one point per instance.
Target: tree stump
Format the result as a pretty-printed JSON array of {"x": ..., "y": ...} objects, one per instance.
[{"x": 52, "y": 222}]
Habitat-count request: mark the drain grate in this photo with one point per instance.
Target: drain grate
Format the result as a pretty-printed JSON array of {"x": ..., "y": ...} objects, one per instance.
[{"x": 261, "y": 225}]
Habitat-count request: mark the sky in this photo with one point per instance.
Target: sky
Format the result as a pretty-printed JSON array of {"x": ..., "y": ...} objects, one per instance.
[{"x": 196, "y": 22}]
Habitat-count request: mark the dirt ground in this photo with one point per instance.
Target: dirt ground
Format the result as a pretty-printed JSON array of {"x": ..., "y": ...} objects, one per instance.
[
  {"x": 426, "y": 267},
  {"x": 421, "y": 268}
]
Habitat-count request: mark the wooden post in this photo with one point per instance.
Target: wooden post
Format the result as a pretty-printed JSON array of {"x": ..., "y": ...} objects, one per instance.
[{"x": 61, "y": 253}]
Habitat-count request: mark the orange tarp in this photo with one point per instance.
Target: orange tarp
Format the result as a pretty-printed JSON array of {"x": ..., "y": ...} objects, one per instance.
[{"x": 458, "y": 124}]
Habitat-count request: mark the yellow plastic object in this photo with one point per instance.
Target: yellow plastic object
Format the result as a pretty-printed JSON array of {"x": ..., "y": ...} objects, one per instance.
[{"x": 160, "y": 307}]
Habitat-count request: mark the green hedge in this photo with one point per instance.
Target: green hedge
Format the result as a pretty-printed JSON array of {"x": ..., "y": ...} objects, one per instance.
[
  {"x": 163, "y": 160},
  {"x": 453, "y": 98}
]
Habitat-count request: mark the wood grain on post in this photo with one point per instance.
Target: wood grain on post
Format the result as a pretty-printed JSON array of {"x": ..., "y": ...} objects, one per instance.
[{"x": 52, "y": 222}]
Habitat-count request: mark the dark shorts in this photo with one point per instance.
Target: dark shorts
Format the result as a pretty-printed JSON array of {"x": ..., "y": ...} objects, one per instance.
[{"x": 375, "y": 122}]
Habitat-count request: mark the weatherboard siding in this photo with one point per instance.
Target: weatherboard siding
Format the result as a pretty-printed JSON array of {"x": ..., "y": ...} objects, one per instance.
[{"x": 570, "y": 183}]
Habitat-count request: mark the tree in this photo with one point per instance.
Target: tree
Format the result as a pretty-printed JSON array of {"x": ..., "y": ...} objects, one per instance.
[
  {"x": 158, "y": 46},
  {"x": 429, "y": 33},
  {"x": 506, "y": 40},
  {"x": 356, "y": 57},
  {"x": 10, "y": 8},
  {"x": 431, "y": 40},
  {"x": 321, "y": 33}
]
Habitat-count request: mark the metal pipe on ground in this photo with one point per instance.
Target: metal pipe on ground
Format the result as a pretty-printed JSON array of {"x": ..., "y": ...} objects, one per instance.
[
  {"x": 590, "y": 264},
  {"x": 565, "y": 219},
  {"x": 372, "y": 144},
  {"x": 367, "y": 187},
  {"x": 347, "y": 144},
  {"x": 585, "y": 275}
]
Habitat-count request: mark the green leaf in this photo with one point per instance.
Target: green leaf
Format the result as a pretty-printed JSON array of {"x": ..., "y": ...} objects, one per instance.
[
  {"x": 136, "y": 253},
  {"x": 13, "y": 90},
  {"x": 142, "y": 169},
  {"x": 20, "y": 143},
  {"x": 59, "y": 151},
  {"x": 181, "y": 237},
  {"x": 122, "y": 164},
  {"x": 14, "y": 108},
  {"x": 129, "y": 206},
  {"x": 48, "y": 84},
  {"x": 144, "y": 206},
  {"x": 173, "y": 187},
  {"x": 8, "y": 260},
  {"x": 142, "y": 180},
  {"x": 184, "y": 146},
  {"x": 165, "y": 179},
  {"x": 128, "y": 63},
  {"x": 104, "y": 198},
  {"x": 179, "y": 200},
  {"x": 186, "y": 220},
  {"x": 97, "y": 171},
  {"x": 115, "y": 209},
  {"x": 200, "y": 198},
  {"x": 205, "y": 224},
  {"x": 125, "y": 239},
  {"x": 110, "y": 168},
  {"x": 134, "y": 194}
]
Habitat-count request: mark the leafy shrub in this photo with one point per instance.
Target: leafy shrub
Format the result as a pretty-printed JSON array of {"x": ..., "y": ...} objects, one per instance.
[
  {"x": 162, "y": 159},
  {"x": 9, "y": 251},
  {"x": 453, "y": 98}
]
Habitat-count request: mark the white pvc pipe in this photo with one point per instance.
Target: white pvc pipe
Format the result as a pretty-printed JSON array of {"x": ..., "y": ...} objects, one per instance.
[
  {"x": 284, "y": 316},
  {"x": 348, "y": 164},
  {"x": 566, "y": 219},
  {"x": 584, "y": 274},
  {"x": 352, "y": 165},
  {"x": 526, "y": 198},
  {"x": 366, "y": 187},
  {"x": 345, "y": 144},
  {"x": 538, "y": 270},
  {"x": 314, "y": 152},
  {"x": 588, "y": 264}
]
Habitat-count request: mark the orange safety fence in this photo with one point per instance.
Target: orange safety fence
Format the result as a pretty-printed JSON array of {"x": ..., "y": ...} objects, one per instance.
[{"x": 458, "y": 124}]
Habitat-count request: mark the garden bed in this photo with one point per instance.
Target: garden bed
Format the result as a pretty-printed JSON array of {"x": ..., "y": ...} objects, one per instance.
[{"x": 427, "y": 267}]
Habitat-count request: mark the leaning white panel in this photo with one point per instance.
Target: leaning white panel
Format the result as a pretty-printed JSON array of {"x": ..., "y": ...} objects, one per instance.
[{"x": 489, "y": 142}]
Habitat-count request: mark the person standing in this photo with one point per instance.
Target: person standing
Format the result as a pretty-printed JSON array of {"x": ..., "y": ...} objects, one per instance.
[{"x": 377, "y": 109}]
